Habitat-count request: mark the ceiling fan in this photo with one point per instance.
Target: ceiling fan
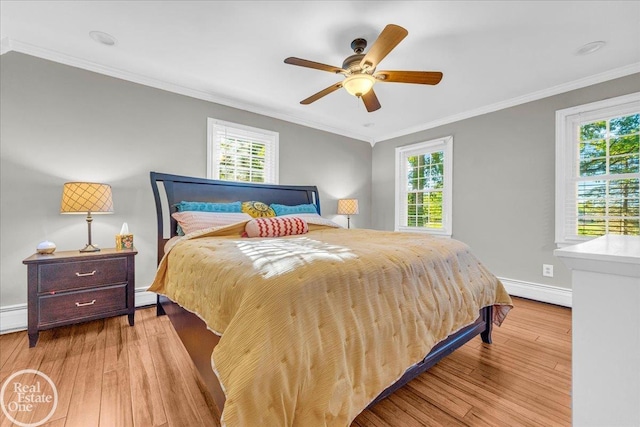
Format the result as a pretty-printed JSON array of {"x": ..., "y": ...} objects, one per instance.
[{"x": 360, "y": 73}]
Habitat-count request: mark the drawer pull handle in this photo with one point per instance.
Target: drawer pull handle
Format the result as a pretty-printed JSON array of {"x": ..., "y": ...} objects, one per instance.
[
  {"x": 86, "y": 274},
  {"x": 82, "y": 304}
]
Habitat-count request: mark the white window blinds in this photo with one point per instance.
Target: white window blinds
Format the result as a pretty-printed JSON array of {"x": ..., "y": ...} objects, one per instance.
[
  {"x": 241, "y": 153},
  {"x": 598, "y": 170}
]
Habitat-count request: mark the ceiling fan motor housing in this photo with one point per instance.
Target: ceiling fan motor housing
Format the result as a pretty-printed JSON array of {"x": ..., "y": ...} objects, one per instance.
[
  {"x": 358, "y": 45},
  {"x": 352, "y": 63}
]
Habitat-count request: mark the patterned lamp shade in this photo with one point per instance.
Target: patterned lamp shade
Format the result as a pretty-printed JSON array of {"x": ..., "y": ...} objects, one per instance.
[
  {"x": 86, "y": 197},
  {"x": 347, "y": 206}
]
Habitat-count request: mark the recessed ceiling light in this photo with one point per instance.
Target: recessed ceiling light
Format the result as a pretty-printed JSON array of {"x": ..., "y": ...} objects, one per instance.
[
  {"x": 103, "y": 38},
  {"x": 590, "y": 48}
]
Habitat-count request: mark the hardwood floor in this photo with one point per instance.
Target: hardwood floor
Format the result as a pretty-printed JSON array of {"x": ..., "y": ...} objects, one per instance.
[{"x": 110, "y": 374}]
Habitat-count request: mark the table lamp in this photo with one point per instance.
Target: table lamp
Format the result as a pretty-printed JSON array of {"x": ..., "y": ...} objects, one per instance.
[
  {"x": 348, "y": 207},
  {"x": 86, "y": 198}
]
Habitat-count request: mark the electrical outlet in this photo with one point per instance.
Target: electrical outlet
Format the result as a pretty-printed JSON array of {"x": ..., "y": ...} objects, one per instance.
[{"x": 547, "y": 270}]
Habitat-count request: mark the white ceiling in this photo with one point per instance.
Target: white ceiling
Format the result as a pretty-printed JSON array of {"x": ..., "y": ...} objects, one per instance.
[{"x": 493, "y": 54}]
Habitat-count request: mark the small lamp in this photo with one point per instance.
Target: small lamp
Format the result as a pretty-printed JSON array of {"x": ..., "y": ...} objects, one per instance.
[
  {"x": 86, "y": 197},
  {"x": 348, "y": 207}
]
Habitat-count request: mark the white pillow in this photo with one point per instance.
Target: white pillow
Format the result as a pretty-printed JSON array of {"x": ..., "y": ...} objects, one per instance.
[
  {"x": 191, "y": 221},
  {"x": 314, "y": 218}
]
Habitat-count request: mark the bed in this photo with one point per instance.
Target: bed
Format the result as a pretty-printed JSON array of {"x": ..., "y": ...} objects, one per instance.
[{"x": 310, "y": 355}]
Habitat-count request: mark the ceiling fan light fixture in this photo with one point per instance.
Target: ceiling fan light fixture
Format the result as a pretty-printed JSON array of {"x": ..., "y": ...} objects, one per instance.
[{"x": 358, "y": 84}]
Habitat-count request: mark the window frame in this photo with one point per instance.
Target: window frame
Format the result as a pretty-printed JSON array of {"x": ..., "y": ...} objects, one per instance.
[
  {"x": 269, "y": 138},
  {"x": 444, "y": 144},
  {"x": 567, "y": 155}
]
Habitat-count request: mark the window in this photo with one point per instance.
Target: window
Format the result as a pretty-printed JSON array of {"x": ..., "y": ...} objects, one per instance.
[
  {"x": 423, "y": 187},
  {"x": 598, "y": 169},
  {"x": 241, "y": 153}
]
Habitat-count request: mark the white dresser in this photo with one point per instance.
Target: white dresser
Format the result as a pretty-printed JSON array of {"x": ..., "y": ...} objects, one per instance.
[{"x": 606, "y": 330}]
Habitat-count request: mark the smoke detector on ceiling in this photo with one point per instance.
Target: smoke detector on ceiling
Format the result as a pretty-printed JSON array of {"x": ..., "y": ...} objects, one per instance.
[
  {"x": 103, "y": 38},
  {"x": 591, "y": 47}
]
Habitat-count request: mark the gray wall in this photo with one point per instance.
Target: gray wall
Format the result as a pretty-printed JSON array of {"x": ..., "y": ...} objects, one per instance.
[
  {"x": 59, "y": 123},
  {"x": 503, "y": 181}
]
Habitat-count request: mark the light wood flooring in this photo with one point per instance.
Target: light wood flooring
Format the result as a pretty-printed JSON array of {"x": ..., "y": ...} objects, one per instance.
[{"x": 109, "y": 374}]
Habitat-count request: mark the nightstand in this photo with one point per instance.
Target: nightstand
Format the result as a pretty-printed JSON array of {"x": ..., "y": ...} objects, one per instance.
[{"x": 71, "y": 287}]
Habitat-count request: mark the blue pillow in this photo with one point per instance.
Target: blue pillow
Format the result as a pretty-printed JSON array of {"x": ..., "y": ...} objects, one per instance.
[
  {"x": 209, "y": 207},
  {"x": 297, "y": 209}
]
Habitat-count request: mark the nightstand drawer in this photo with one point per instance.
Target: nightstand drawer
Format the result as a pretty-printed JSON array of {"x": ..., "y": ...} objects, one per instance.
[
  {"x": 72, "y": 306},
  {"x": 81, "y": 274}
]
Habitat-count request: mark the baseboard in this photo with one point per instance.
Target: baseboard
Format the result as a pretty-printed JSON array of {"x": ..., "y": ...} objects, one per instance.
[
  {"x": 144, "y": 298},
  {"x": 538, "y": 291},
  {"x": 13, "y": 318}
]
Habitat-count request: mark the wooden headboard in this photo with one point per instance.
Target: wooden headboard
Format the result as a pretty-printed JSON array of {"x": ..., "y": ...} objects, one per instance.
[{"x": 168, "y": 190}]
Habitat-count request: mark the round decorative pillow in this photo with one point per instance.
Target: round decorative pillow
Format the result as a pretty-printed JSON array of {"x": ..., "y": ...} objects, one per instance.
[{"x": 257, "y": 209}]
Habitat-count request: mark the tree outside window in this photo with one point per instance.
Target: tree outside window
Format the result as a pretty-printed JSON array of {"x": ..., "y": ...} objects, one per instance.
[
  {"x": 424, "y": 193},
  {"x": 423, "y": 187},
  {"x": 608, "y": 183},
  {"x": 598, "y": 169}
]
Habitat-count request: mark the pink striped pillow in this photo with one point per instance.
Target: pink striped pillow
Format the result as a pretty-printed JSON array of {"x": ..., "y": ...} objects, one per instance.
[
  {"x": 275, "y": 227},
  {"x": 191, "y": 221}
]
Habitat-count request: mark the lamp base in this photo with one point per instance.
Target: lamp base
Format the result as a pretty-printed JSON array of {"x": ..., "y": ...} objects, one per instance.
[{"x": 90, "y": 248}]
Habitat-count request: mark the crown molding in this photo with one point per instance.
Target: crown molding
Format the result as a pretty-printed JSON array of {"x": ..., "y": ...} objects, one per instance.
[
  {"x": 534, "y": 96},
  {"x": 8, "y": 45},
  {"x": 5, "y": 45},
  {"x": 51, "y": 55}
]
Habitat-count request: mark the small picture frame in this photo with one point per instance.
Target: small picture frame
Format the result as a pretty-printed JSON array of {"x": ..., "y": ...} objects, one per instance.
[{"x": 124, "y": 241}]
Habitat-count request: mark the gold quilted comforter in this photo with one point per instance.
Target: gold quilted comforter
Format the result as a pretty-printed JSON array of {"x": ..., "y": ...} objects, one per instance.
[{"x": 315, "y": 326}]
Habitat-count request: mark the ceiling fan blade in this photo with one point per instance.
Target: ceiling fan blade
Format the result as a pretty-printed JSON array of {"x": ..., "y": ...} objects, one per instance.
[
  {"x": 371, "y": 101},
  {"x": 386, "y": 41},
  {"x": 418, "y": 77},
  {"x": 322, "y": 93},
  {"x": 315, "y": 65}
]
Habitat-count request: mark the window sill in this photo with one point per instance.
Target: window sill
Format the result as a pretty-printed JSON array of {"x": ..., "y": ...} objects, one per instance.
[
  {"x": 436, "y": 233},
  {"x": 573, "y": 241}
]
